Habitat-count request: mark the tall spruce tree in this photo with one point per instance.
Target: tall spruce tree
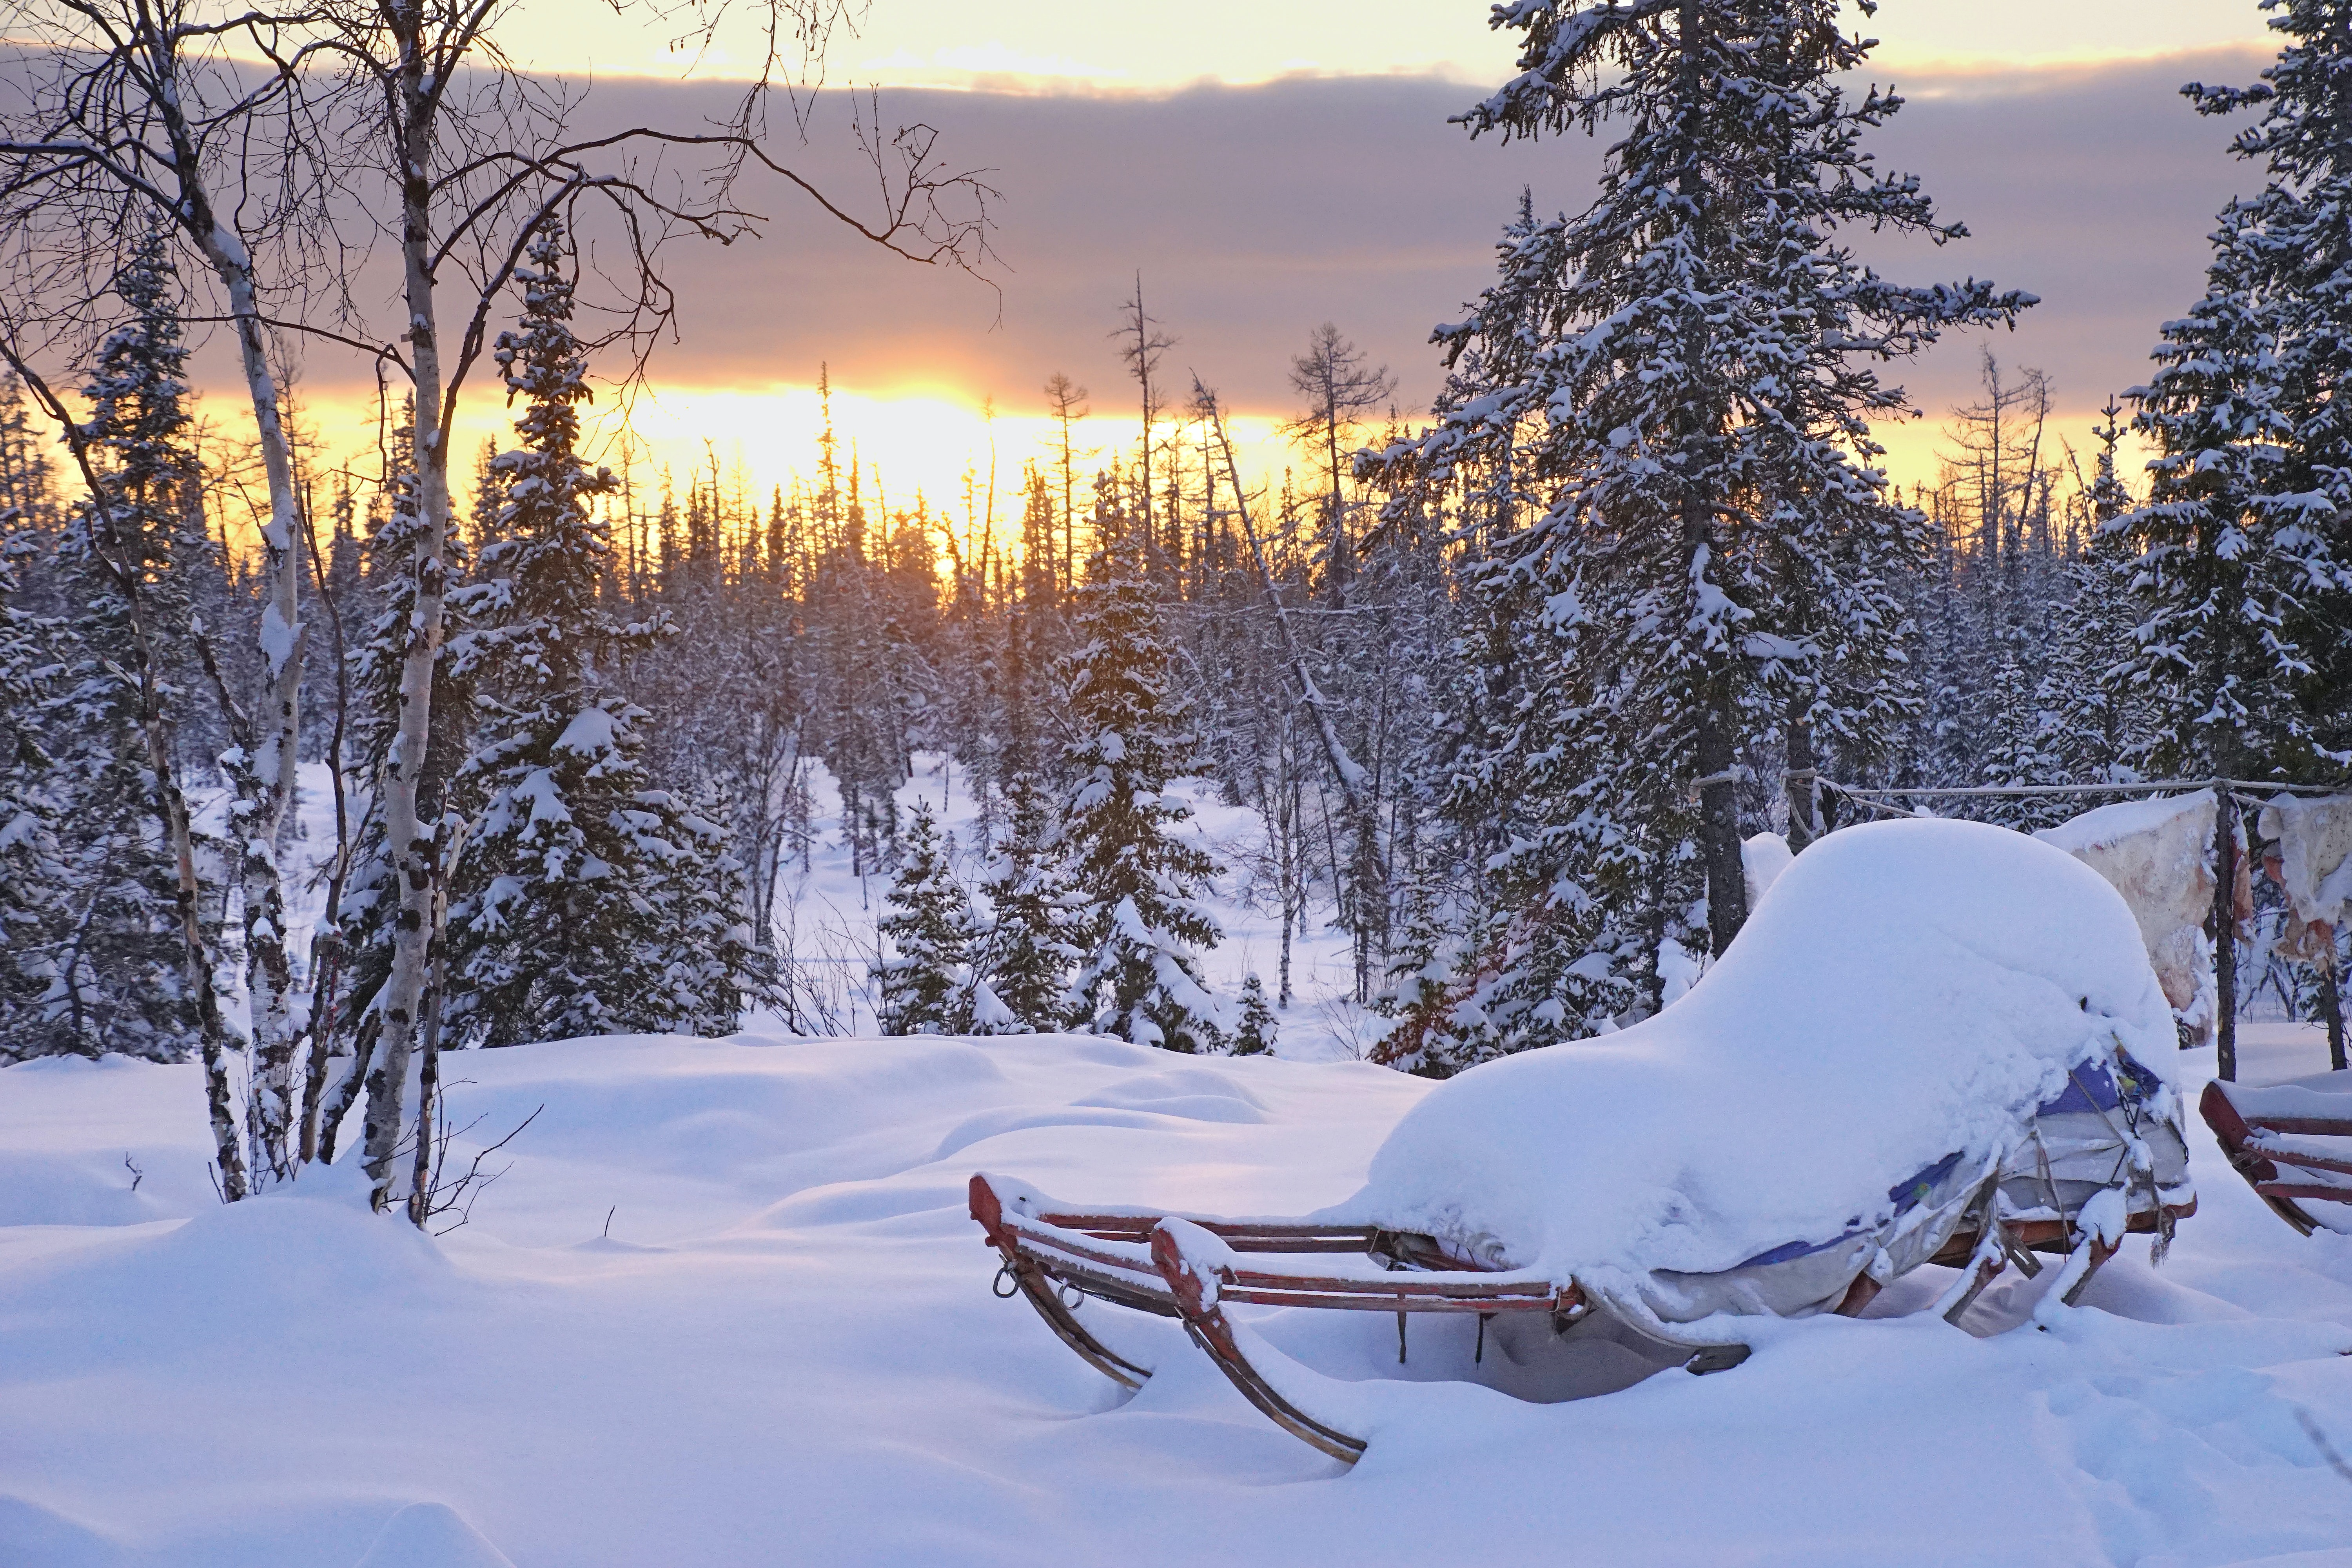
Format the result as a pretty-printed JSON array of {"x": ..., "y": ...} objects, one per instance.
[
  {"x": 2103, "y": 720},
  {"x": 119, "y": 967},
  {"x": 2246, "y": 537},
  {"x": 1141, "y": 924},
  {"x": 1659, "y": 418},
  {"x": 573, "y": 904},
  {"x": 34, "y": 910}
]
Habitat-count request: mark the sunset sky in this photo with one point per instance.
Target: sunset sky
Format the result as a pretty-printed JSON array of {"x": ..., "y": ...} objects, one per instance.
[{"x": 1267, "y": 168}]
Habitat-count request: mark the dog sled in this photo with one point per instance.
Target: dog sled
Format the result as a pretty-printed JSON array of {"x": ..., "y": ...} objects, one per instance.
[{"x": 1929, "y": 1045}]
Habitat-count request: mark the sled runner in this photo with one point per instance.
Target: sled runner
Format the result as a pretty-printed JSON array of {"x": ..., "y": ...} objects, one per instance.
[
  {"x": 2304, "y": 1124},
  {"x": 1949, "y": 999}
]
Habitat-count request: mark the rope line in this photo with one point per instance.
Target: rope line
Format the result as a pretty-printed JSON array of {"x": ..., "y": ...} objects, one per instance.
[{"x": 2252, "y": 786}]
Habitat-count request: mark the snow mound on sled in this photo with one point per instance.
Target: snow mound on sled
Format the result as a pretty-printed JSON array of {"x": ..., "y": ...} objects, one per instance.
[{"x": 1910, "y": 991}]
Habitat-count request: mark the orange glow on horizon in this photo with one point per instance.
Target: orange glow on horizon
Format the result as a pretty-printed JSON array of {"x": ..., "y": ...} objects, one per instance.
[
  {"x": 929, "y": 447},
  {"x": 912, "y": 447}
]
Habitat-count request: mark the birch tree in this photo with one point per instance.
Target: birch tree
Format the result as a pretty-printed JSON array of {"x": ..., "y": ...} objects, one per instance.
[
  {"x": 136, "y": 117},
  {"x": 477, "y": 159}
]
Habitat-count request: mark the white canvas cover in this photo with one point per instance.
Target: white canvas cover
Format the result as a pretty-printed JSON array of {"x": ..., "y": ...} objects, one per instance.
[{"x": 1832, "y": 1097}]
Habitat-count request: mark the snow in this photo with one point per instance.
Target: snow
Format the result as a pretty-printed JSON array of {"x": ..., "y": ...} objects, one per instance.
[
  {"x": 2110, "y": 825},
  {"x": 1910, "y": 991},
  {"x": 831, "y": 911},
  {"x": 785, "y": 1350},
  {"x": 1763, "y": 857},
  {"x": 725, "y": 1306},
  {"x": 590, "y": 733},
  {"x": 277, "y": 638}
]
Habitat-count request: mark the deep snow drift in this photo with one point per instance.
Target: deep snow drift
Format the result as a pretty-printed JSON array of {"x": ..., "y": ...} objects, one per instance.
[{"x": 785, "y": 1350}]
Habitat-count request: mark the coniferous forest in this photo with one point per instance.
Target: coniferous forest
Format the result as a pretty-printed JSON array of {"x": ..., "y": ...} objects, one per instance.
[{"x": 1510, "y": 681}]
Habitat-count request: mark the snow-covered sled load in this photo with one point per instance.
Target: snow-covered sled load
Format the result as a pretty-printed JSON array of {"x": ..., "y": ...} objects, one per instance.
[
  {"x": 2159, "y": 854},
  {"x": 1935, "y": 1042}
]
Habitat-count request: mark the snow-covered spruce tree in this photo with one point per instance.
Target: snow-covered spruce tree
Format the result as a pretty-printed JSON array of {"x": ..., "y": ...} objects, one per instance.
[
  {"x": 1139, "y": 924},
  {"x": 1254, "y": 1032},
  {"x": 2024, "y": 743},
  {"x": 34, "y": 910},
  {"x": 26, "y": 470},
  {"x": 1025, "y": 954},
  {"x": 715, "y": 965},
  {"x": 1665, "y": 401},
  {"x": 2102, "y": 713},
  {"x": 119, "y": 971},
  {"x": 568, "y": 911},
  {"x": 924, "y": 976},
  {"x": 2243, "y": 566},
  {"x": 1436, "y": 1025}
]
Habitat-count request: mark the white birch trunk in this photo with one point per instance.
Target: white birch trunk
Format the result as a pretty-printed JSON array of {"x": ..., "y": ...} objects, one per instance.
[
  {"x": 409, "y": 841},
  {"x": 260, "y": 804},
  {"x": 260, "y": 767}
]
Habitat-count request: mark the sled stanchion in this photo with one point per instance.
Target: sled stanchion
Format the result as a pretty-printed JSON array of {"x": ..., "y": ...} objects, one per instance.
[
  {"x": 1858, "y": 1295},
  {"x": 2099, "y": 1251},
  {"x": 1991, "y": 1253},
  {"x": 1204, "y": 1321}
]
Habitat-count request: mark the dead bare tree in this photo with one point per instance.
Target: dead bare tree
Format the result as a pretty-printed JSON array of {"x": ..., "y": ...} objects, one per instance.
[
  {"x": 1362, "y": 873},
  {"x": 1340, "y": 389},
  {"x": 1141, "y": 344},
  {"x": 1067, "y": 402}
]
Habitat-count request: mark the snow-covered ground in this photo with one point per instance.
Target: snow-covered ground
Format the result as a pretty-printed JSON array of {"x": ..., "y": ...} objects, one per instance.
[
  {"x": 783, "y": 1348},
  {"x": 725, "y": 1306}
]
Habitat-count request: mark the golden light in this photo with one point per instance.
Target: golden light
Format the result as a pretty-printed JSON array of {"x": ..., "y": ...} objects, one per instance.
[{"x": 953, "y": 458}]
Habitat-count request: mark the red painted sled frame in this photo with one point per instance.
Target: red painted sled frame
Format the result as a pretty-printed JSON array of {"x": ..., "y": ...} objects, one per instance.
[
  {"x": 2258, "y": 1158},
  {"x": 1187, "y": 1268}
]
